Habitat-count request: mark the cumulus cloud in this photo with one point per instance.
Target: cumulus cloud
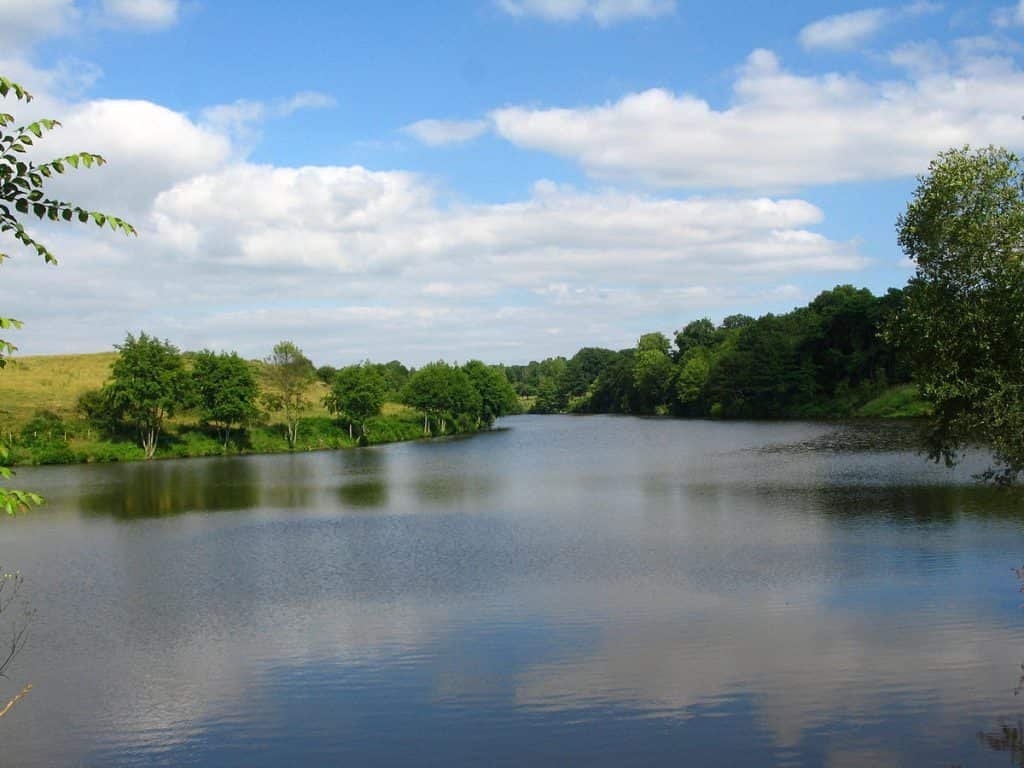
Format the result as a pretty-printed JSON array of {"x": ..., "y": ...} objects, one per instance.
[
  {"x": 845, "y": 31},
  {"x": 435, "y": 133},
  {"x": 149, "y": 147},
  {"x": 782, "y": 130},
  {"x": 25, "y": 22},
  {"x": 357, "y": 263},
  {"x": 604, "y": 12}
]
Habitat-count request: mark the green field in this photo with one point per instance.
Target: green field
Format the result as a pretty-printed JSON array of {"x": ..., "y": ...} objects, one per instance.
[
  {"x": 48, "y": 383},
  {"x": 52, "y": 384}
]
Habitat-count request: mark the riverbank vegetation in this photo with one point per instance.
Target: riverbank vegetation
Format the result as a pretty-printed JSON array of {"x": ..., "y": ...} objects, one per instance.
[
  {"x": 149, "y": 400},
  {"x": 828, "y": 359}
]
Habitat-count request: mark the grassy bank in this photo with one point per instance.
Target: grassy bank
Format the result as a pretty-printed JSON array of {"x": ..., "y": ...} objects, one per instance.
[
  {"x": 902, "y": 402},
  {"x": 38, "y": 419}
]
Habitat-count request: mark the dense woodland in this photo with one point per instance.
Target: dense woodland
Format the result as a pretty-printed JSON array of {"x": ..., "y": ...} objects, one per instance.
[{"x": 829, "y": 358}]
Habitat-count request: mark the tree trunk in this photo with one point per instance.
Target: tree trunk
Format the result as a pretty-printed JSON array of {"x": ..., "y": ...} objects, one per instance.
[
  {"x": 149, "y": 439},
  {"x": 426, "y": 428},
  {"x": 350, "y": 430}
]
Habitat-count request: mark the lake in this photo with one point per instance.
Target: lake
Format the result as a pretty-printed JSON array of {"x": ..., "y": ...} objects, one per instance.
[{"x": 564, "y": 590}]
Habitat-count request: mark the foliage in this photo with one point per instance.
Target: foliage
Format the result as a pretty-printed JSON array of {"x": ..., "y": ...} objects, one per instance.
[
  {"x": 823, "y": 359},
  {"x": 287, "y": 374},
  {"x": 526, "y": 379},
  {"x": 326, "y": 373},
  {"x": 443, "y": 393},
  {"x": 225, "y": 390},
  {"x": 583, "y": 369},
  {"x": 962, "y": 322},
  {"x": 23, "y": 193},
  {"x": 653, "y": 374},
  {"x": 23, "y": 188},
  {"x": 497, "y": 397},
  {"x": 900, "y": 402},
  {"x": 148, "y": 386},
  {"x": 357, "y": 393}
]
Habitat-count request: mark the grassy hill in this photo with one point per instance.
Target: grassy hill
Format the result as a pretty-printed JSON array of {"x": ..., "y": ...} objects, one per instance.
[
  {"x": 55, "y": 382},
  {"x": 49, "y": 382}
]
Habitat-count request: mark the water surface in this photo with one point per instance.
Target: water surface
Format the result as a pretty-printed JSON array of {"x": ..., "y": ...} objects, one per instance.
[{"x": 592, "y": 591}]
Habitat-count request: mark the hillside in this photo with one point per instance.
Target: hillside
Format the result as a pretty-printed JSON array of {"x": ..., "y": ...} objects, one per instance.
[
  {"x": 54, "y": 383},
  {"x": 48, "y": 382}
]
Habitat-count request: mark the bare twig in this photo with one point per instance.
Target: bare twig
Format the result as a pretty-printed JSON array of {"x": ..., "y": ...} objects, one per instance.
[{"x": 16, "y": 699}]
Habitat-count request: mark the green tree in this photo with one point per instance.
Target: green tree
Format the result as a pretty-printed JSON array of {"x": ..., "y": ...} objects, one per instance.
[
  {"x": 148, "y": 385},
  {"x": 225, "y": 390},
  {"x": 583, "y": 369},
  {"x": 441, "y": 392},
  {"x": 497, "y": 397},
  {"x": 653, "y": 379},
  {"x": 23, "y": 194},
  {"x": 287, "y": 374},
  {"x": 962, "y": 321},
  {"x": 692, "y": 379},
  {"x": 698, "y": 333},
  {"x": 357, "y": 393}
]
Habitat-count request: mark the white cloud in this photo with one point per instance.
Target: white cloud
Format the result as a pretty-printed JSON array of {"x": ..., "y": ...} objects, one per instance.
[
  {"x": 782, "y": 130},
  {"x": 845, "y": 31},
  {"x": 143, "y": 13},
  {"x": 358, "y": 263},
  {"x": 1009, "y": 16},
  {"x": 604, "y": 12},
  {"x": 305, "y": 100},
  {"x": 435, "y": 133},
  {"x": 149, "y": 148},
  {"x": 27, "y": 21},
  {"x": 241, "y": 119}
]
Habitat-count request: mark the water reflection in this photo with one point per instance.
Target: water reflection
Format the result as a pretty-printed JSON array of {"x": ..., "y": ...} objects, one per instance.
[
  {"x": 617, "y": 590},
  {"x": 364, "y": 493},
  {"x": 1007, "y": 738},
  {"x": 285, "y": 483},
  {"x": 160, "y": 489}
]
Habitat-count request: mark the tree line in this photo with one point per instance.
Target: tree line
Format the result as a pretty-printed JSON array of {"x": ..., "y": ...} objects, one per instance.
[
  {"x": 824, "y": 359},
  {"x": 152, "y": 382}
]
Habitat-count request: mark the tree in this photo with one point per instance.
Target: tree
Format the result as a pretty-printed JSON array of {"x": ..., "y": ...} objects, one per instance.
[
  {"x": 962, "y": 321},
  {"x": 357, "y": 393},
  {"x": 653, "y": 379},
  {"x": 148, "y": 385},
  {"x": 287, "y": 374},
  {"x": 23, "y": 193},
  {"x": 691, "y": 380},
  {"x": 443, "y": 392},
  {"x": 698, "y": 333},
  {"x": 225, "y": 390},
  {"x": 497, "y": 397},
  {"x": 583, "y": 369}
]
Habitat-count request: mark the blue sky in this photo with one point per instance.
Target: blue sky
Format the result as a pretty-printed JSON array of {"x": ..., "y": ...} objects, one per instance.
[{"x": 505, "y": 179}]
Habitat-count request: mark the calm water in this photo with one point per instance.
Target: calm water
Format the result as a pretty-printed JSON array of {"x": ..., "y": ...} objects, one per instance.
[{"x": 592, "y": 591}]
